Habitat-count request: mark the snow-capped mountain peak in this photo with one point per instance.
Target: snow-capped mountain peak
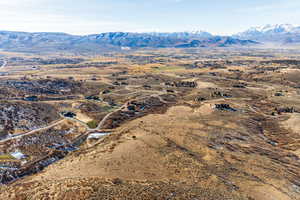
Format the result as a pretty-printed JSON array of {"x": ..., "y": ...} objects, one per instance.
[
  {"x": 276, "y": 28},
  {"x": 271, "y": 29},
  {"x": 184, "y": 34},
  {"x": 284, "y": 33}
]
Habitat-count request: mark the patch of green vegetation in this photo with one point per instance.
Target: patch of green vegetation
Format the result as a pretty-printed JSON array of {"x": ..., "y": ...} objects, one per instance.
[
  {"x": 6, "y": 157},
  {"x": 92, "y": 124}
]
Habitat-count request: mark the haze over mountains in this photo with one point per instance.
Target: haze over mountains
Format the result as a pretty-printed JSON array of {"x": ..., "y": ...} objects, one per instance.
[
  {"x": 48, "y": 42},
  {"x": 39, "y": 42},
  {"x": 279, "y": 33}
]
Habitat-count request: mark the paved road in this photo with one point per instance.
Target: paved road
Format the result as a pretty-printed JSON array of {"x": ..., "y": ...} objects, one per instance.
[
  {"x": 101, "y": 123},
  {"x": 99, "y": 127},
  {"x": 32, "y": 132},
  {"x": 4, "y": 64}
]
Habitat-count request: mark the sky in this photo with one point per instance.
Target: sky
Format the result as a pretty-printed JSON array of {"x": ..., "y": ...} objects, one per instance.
[{"x": 82, "y": 17}]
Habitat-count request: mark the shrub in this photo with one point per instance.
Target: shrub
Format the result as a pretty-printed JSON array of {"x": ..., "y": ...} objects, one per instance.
[{"x": 92, "y": 124}]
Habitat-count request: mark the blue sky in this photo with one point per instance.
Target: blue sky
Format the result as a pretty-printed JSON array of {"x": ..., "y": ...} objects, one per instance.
[{"x": 94, "y": 16}]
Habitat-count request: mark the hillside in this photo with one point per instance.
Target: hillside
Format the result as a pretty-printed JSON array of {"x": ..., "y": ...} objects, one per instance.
[{"x": 180, "y": 123}]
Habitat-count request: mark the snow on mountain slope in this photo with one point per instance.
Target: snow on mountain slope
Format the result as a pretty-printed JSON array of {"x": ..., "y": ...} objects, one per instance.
[{"x": 280, "y": 33}]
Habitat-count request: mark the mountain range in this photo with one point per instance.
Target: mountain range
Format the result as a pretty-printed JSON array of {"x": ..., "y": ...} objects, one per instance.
[
  {"x": 279, "y": 33},
  {"x": 49, "y": 42},
  {"x": 284, "y": 34}
]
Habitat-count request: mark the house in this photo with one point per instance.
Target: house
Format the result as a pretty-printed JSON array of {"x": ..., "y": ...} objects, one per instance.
[{"x": 18, "y": 155}]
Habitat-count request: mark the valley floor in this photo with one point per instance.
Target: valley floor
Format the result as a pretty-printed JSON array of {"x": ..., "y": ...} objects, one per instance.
[{"x": 186, "y": 126}]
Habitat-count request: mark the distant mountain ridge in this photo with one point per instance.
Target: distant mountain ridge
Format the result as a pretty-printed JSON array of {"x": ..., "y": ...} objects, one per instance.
[
  {"x": 283, "y": 34},
  {"x": 47, "y": 42},
  {"x": 218, "y": 41},
  {"x": 186, "y": 34},
  {"x": 279, "y": 33}
]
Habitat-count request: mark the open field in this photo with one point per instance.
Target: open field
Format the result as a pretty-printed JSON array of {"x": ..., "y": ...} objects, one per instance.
[{"x": 178, "y": 124}]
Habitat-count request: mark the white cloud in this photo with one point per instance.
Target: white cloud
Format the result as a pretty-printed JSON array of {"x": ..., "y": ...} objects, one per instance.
[
  {"x": 49, "y": 22},
  {"x": 34, "y": 16},
  {"x": 19, "y": 3}
]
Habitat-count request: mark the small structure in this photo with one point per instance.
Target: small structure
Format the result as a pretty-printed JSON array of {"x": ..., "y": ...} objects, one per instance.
[
  {"x": 31, "y": 98},
  {"x": 187, "y": 84},
  {"x": 106, "y": 91},
  {"x": 224, "y": 107},
  {"x": 285, "y": 110},
  {"x": 97, "y": 135},
  {"x": 69, "y": 114},
  {"x": 18, "y": 155},
  {"x": 94, "y": 98},
  {"x": 239, "y": 86},
  {"x": 278, "y": 94}
]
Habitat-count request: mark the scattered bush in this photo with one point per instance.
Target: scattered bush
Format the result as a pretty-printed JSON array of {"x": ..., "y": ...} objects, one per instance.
[{"x": 92, "y": 124}]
